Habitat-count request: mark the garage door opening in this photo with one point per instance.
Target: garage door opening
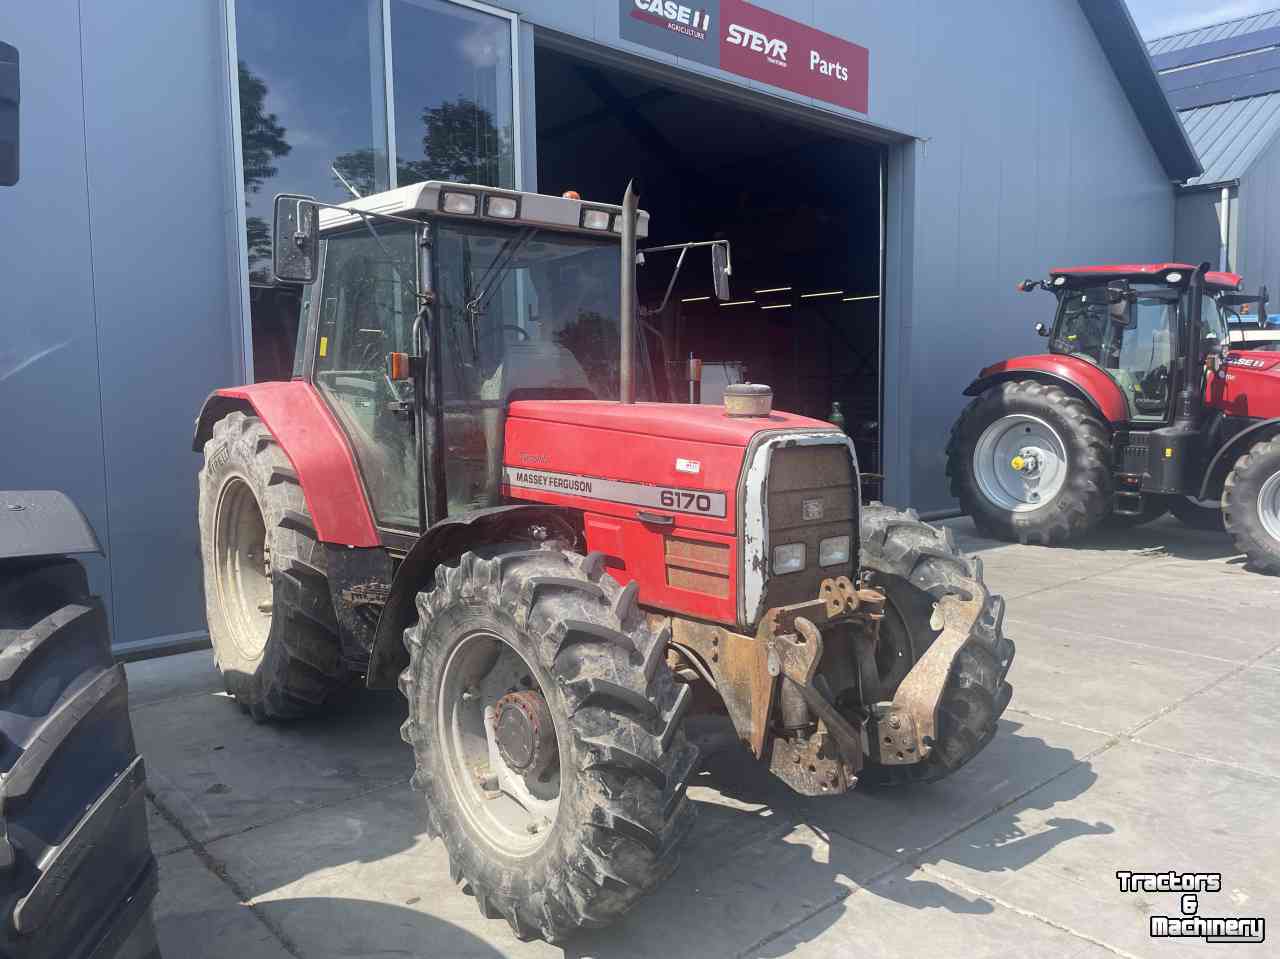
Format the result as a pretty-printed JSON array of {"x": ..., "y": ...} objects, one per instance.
[{"x": 802, "y": 209}]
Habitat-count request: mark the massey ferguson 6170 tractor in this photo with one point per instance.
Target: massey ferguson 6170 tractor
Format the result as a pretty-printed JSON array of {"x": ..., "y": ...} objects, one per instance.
[
  {"x": 1141, "y": 405},
  {"x": 458, "y": 493}
]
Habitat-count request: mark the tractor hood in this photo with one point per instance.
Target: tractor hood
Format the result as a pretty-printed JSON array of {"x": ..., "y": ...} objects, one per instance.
[{"x": 700, "y": 424}]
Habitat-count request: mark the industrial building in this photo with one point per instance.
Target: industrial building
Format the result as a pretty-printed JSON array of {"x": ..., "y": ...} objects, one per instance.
[
  {"x": 884, "y": 172},
  {"x": 1224, "y": 81}
]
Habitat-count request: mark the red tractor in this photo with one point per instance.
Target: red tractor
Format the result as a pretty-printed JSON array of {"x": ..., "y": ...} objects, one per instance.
[
  {"x": 458, "y": 494},
  {"x": 1140, "y": 406}
]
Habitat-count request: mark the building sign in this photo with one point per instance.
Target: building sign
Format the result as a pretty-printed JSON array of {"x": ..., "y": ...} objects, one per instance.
[{"x": 744, "y": 39}]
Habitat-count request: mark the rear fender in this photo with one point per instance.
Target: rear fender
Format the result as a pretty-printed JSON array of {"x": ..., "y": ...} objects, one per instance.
[
  {"x": 1074, "y": 375},
  {"x": 43, "y": 523},
  {"x": 447, "y": 540},
  {"x": 300, "y": 422},
  {"x": 1236, "y": 447}
]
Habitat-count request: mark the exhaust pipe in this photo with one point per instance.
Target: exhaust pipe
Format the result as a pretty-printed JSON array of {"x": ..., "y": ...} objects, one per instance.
[{"x": 627, "y": 288}]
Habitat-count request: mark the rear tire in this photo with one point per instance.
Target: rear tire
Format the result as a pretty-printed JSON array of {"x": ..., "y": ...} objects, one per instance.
[
  {"x": 988, "y": 488},
  {"x": 76, "y": 872},
  {"x": 271, "y": 618},
  {"x": 1191, "y": 513},
  {"x": 1251, "y": 505},
  {"x": 916, "y": 565},
  {"x": 623, "y": 762}
]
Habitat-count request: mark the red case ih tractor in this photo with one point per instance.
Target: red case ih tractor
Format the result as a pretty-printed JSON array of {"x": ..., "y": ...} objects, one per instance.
[
  {"x": 457, "y": 493},
  {"x": 1140, "y": 406}
]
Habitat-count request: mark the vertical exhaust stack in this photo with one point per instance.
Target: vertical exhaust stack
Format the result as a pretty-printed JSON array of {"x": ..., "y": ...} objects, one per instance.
[{"x": 627, "y": 288}]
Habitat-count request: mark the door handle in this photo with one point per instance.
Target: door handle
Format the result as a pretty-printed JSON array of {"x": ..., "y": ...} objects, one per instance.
[{"x": 657, "y": 519}]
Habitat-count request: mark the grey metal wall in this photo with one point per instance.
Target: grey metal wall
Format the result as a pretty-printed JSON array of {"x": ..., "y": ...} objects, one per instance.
[
  {"x": 1197, "y": 231},
  {"x": 1025, "y": 154},
  {"x": 1259, "y": 251},
  {"x": 118, "y": 284}
]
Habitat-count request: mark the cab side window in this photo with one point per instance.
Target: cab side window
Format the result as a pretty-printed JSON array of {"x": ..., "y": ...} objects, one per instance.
[{"x": 367, "y": 308}]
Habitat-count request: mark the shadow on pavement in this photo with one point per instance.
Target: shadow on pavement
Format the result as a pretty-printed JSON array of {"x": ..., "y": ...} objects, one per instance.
[{"x": 1165, "y": 536}]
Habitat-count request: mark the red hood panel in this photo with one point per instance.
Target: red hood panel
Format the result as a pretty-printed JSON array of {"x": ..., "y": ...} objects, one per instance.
[
  {"x": 695, "y": 424},
  {"x": 1251, "y": 386}
]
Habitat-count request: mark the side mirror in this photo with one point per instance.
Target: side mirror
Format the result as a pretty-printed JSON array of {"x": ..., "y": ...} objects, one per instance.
[
  {"x": 720, "y": 270},
  {"x": 295, "y": 249},
  {"x": 1042, "y": 329},
  {"x": 9, "y": 97}
]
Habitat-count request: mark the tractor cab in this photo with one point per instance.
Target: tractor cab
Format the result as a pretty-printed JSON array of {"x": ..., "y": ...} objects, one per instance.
[
  {"x": 482, "y": 295},
  {"x": 1139, "y": 324}
]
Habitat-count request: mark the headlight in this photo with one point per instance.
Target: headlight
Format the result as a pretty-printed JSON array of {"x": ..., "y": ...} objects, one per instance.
[
  {"x": 501, "y": 206},
  {"x": 464, "y": 203},
  {"x": 788, "y": 558},
  {"x": 595, "y": 219},
  {"x": 833, "y": 551}
]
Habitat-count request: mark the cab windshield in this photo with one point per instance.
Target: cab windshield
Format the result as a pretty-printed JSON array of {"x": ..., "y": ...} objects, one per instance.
[{"x": 1129, "y": 333}]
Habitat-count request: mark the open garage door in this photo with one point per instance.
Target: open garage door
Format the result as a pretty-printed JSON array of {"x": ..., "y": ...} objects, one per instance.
[{"x": 802, "y": 208}]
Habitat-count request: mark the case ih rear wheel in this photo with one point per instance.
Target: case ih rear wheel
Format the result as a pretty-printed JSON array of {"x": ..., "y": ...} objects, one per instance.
[
  {"x": 270, "y": 615},
  {"x": 1030, "y": 462},
  {"x": 1251, "y": 505},
  {"x": 916, "y": 565},
  {"x": 76, "y": 872},
  {"x": 1198, "y": 514},
  {"x": 545, "y": 726}
]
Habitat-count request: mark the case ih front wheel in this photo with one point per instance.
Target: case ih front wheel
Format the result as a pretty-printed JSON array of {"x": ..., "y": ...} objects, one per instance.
[
  {"x": 1251, "y": 505},
  {"x": 270, "y": 615},
  {"x": 916, "y": 565},
  {"x": 1031, "y": 463},
  {"x": 545, "y": 726}
]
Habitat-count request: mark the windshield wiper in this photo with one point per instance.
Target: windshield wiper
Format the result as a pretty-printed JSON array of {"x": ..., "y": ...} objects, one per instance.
[{"x": 476, "y": 304}]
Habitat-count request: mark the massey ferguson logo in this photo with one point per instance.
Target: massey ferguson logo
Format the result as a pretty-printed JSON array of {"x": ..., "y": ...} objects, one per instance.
[
  {"x": 774, "y": 50},
  {"x": 674, "y": 16}
]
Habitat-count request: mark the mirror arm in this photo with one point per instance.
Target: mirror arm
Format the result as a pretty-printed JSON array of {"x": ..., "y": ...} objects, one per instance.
[{"x": 675, "y": 274}]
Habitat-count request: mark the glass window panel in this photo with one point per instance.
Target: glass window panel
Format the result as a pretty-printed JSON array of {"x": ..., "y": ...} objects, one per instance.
[
  {"x": 452, "y": 88},
  {"x": 312, "y": 100},
  {"x": 367, "y": 306}
]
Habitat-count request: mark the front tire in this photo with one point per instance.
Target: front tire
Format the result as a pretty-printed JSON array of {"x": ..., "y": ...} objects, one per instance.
[
  {"x": 1031, "y": 463},
  {"x": 916, "y": 566},
  {"x": 271, "y": 618},
  {"x": 575, "y": 836},
  {"x": 1251, "y": 505}
]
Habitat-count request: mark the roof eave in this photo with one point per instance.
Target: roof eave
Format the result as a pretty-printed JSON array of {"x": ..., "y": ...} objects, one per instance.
[{"x": 1118, "y": 35}]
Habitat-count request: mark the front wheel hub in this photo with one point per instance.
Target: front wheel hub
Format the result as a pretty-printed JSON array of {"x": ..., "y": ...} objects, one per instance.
[{"x": 525, "y": 733}]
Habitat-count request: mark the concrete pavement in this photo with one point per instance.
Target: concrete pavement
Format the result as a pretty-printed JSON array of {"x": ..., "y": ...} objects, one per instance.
[{"x": 1144, "y": 734}]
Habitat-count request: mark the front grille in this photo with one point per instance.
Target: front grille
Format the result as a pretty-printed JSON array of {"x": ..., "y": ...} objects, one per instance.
[
  {"x": 1133, "y": 455},
  {"x": 811, "y": 496}
]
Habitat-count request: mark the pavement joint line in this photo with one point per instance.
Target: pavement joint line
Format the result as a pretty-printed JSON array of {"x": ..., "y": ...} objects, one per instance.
[
  {"x": 1165, "y": 710},
  {"x": 381, "y": 787},
  {"x": 1060, "y": 722},
  {"x": 1029, "y": 913},
  {"x": 1127, "y": 642},
  {"x": 1208, "y": 759},
  {"x": 219, "y": 870}
]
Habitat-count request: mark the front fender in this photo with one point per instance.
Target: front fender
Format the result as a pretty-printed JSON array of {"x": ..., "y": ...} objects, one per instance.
[
  {"x": 446, "y": 540},
  {"x": 1076, "y": 375},
  {"x": 1231, "y": 451}
]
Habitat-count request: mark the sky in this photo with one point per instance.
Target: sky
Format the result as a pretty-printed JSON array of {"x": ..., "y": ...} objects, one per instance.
[{"x": 1159, "y": 18}]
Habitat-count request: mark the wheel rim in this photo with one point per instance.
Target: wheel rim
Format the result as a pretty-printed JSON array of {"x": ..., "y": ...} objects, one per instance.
[
  {"x": 1269, "y": 505},
  {"x": 242, "y": 561},
  {"x": 512, "y": 812},
  {"x": 1020, "y": 463}
]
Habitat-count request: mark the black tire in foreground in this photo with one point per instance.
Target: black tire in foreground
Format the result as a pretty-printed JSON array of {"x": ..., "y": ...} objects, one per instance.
[
  {"x": 1251, "y": 505},
  {"x": 1197, "y": 515},
  {"x": 76, "y": 872},
  {"x": 1084, "y": 496},
  {"x": 271, "y": 618},
  {"x": 549, "y": 632},
  {"x": 916, "y": 566}
]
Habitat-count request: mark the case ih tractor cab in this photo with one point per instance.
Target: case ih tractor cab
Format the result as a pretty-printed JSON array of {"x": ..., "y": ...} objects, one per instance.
[
  {"x": 458, "y": 494},
  {"x": 1141, "y": 405}
]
